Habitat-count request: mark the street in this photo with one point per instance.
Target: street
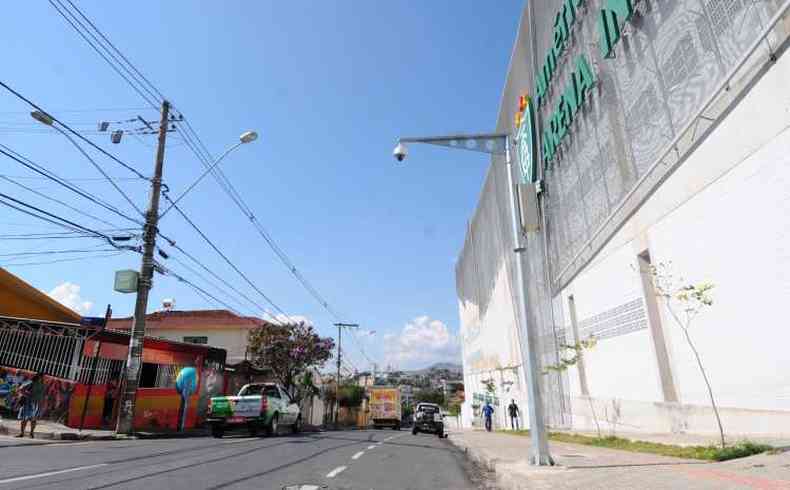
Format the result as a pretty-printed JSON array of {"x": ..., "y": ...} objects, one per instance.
[{"x": 339, "y": 460}]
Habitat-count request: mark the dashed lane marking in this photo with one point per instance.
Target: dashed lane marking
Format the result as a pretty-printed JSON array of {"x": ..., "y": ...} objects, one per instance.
[
  {"x": 51, "y": 473},
  {"x": 336, "y": 472},
  {"x": 371, "y": 447},
  {"x": 356, "y": 456}
]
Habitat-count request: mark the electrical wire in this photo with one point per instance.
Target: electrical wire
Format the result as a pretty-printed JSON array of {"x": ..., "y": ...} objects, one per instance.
[
  {"x": 57, "y": 261},
  {"x": 150, "y": 98},
  {"x": 43, "y": 171},
  {"x": 129, "y": 63},
  {"x": 75, "y": 133},
  {"x": 49, "y": 198},
  {"x": 58, "y": 220},
  {"x": 101, "y": 171},
  {"x": 228, "y": 261}
]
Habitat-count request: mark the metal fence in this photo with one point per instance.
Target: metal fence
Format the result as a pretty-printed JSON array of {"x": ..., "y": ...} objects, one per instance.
[{"x": 53, "y": 349}]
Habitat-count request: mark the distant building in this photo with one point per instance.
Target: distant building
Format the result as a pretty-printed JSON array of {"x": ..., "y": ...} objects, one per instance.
[{"x": 217, "y": 328}]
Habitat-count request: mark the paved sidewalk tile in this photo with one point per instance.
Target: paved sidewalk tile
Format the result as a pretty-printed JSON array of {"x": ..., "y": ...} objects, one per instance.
[{"x": 590, "y": 467}]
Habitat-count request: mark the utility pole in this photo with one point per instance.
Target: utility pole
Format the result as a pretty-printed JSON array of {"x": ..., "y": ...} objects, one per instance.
[
  {"x": 337, "y": 383},
  {"x": 135, "y": 357}
]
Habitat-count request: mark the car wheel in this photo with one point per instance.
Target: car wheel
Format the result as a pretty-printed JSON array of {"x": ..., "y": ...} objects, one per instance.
[
  {"x": 396, "y": 427},
  {"x": 274, "y": 426},
  {"x": 217, "y": 431},
  {"x": 297, "y": 427}
]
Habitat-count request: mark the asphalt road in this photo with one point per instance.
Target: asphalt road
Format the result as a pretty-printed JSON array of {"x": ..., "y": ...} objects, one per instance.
[{"x": 378, "y": 460}]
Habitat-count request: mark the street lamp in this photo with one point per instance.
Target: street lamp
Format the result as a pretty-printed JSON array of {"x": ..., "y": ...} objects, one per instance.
[
  {"x": 245, "y": 137},
  {"x": 498, "y": 144}
]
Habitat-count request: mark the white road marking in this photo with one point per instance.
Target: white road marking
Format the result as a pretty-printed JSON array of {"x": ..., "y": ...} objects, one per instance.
[
  {"x": 356, "y": 456},
  {"x": 371, "y": 447},
  {"x": 51, "y": 473},
  {"x": 336, "y": 472}
]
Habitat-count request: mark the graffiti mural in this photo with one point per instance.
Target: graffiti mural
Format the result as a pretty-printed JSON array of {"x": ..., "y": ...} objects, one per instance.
[
  {"x": 211, "y": 384},
  {"x": 56, "y": 400}
]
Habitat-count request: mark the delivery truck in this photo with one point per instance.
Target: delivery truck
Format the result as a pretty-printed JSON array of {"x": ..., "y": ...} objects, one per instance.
[{"x": 385, "y": 408}]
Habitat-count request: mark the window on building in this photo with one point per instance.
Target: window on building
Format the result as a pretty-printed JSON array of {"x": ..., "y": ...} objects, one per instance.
[
  {"x": 148, "y": 375},
  {"x": 196, "y": 339}
]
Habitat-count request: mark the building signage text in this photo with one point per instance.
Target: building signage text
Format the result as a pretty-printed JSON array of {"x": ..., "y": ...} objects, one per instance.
[{"x": 611, "y": 20}]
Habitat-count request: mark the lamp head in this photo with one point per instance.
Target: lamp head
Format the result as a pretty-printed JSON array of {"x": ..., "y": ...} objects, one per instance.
[{"x": 248, "y": 136}]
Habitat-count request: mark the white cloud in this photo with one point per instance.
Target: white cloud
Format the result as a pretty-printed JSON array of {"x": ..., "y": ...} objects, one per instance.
[
  {"x": 422, "y": 341},
  {"x": 68, "y": 294},
  {"x": 294, "y": 318}
]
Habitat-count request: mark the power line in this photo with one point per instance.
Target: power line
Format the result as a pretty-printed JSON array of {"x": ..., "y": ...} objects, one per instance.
[
  {"x": 41, "y": 170},
  {"x": 166, "y": 271},
  {"x": 49, "y": 198},
  {"x": 101, "y": 170},
  {"x": 75, "y": 133},
  {"x": 150, "y": 98},
  {"x": 117, "y": 50},
  {"x": 57, "y": 220},
  {"x": 227, "y": 260},
  {"x": 55, "y": 252},
  {"x": 57, "y": 261},
  {"x": 139, "y": 87}
]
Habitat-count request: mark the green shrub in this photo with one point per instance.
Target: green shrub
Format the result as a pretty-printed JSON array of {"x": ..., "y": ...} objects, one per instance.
[{"x": 708, "y": 453}]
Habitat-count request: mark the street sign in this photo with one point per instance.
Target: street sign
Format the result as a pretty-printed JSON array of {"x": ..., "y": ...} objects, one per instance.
[
  {"x": 92, "y": 321},
  {"x": 126, "y": 281}
]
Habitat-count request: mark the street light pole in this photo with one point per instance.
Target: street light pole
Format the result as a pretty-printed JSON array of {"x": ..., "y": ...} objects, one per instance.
[
  {"x": 500, "y": 143},
  {"x": 135, "y": 356},
  {"x": 337, "y": 383},
  {"x": 246, "y": 137}
]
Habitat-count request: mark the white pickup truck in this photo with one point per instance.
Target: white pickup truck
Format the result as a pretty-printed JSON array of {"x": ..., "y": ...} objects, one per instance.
[{"x": 257, "y": 406}]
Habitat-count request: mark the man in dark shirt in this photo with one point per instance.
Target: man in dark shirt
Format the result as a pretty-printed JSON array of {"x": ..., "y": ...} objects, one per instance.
[{"x": 512, "y": 410}]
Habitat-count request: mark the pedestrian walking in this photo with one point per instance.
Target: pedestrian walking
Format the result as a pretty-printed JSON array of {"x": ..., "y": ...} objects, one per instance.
[
  {"x": 514, "y": 413},
  {"x": 488, "y": 411},
  {"x": 31, "y": 397}
]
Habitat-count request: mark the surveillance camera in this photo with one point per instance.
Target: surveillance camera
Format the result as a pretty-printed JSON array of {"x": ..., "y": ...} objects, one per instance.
[{"x": 400, "y": 152}]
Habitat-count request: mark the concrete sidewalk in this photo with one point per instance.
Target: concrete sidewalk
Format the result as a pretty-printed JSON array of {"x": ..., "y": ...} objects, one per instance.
[
  {"x": 590, "y": 467},
  {"x": 47, "y": 430}
]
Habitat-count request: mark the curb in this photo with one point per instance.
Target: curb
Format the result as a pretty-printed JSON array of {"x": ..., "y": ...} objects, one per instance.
[
  {"x": 507, "y": 476},
  {"x": 76, "y": 436}
]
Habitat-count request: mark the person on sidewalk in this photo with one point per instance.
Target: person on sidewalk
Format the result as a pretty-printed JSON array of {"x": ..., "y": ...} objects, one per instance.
[
  {"x": 32, "y": 394},
  {"x": 488, "y": 411},
  {"x": 513, "y": 412}
]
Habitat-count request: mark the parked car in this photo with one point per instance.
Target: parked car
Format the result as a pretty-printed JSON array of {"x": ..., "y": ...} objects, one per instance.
[
  {"x": 428, "y": 417},
  {"x": 259, "y": 406}
]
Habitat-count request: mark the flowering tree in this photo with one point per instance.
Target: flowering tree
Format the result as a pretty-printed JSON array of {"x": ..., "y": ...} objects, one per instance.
[
  {"x": 289, "y": 352},
  {"x": 685, "y": 302}
]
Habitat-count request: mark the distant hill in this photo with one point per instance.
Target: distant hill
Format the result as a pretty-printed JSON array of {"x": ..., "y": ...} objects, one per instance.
[{"x": 440, "y": 366}]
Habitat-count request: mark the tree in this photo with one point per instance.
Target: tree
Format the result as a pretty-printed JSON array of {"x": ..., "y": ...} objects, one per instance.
[
  {"x": 290, "y": 351},
  {"x": 350, "y": 395},
  {"x": 430, "y": 396},
  {"x": 685, "y": 302},
  {"x": 576, "y": 352}
]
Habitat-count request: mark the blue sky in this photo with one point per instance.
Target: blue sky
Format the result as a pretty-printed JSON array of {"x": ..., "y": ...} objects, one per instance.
[{"x": 329, "y": 85}]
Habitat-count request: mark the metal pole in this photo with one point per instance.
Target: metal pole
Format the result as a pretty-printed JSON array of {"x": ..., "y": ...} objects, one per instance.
[
  {"x": 339, "y": 341},
  {"x": 92, "y": 379},
  {"x": 537, "y": 429},
  {"x": 134, "y": 359},
  {"x": 337, "y": 381}
]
